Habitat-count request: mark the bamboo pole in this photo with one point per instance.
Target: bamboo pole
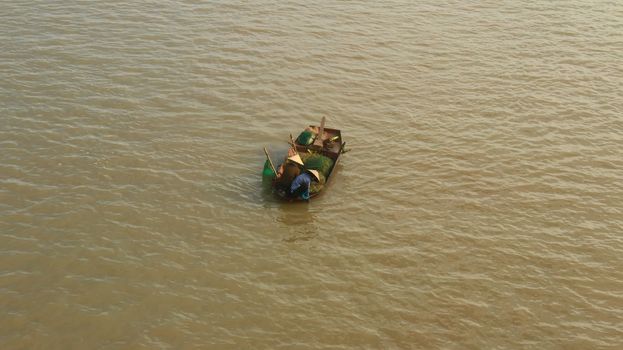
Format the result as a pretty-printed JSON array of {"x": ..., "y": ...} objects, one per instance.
[
  {"x": 293, "y": 144},
  {"x": 270, "y": 160}
]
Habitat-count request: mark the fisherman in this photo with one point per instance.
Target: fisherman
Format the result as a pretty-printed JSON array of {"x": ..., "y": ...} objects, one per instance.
[
  {"x": 300, "y": 185},
  {"x": 289, "y": 171}
]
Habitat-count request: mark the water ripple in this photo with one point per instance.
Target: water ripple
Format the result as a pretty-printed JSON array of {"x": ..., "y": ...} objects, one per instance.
[{"x": 479, "y": 205}]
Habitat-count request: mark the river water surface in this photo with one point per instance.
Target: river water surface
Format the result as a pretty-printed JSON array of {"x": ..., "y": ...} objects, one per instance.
[{"x": 480, "y": 205}]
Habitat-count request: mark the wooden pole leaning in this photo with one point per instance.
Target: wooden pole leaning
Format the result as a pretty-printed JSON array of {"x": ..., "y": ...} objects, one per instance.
[
  {"x": 270, "y": 161},
  {"x": 293, "y": 145}
]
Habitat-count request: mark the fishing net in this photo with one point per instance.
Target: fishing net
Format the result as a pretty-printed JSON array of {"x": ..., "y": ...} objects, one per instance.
[
  {"x": 315, "y": 187},
  {"x": 317, "y": 162}
]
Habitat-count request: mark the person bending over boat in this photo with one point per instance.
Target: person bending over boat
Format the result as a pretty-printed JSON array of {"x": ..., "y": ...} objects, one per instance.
[
  {"x": 289, "y": 171},
  {"x": 300, "y": 185}
]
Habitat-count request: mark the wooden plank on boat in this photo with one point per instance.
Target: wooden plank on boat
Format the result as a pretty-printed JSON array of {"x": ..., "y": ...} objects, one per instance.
[{"x": 319, "y": 141}]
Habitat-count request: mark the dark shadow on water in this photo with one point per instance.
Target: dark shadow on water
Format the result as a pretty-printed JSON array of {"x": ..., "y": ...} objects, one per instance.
[
  {"x": 302, "y": 237},
  {"x": 267, "y": 186},
  {"x": 300, "y": 221},
  {"x": 295, "y": 214}
]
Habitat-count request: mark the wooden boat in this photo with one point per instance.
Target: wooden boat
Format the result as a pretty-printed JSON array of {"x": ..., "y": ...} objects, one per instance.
[{"x": 328, "y": 143}]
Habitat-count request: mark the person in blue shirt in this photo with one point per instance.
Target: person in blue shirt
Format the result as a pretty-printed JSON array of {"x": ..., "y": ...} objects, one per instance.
[{"x": 300, "y": 185}]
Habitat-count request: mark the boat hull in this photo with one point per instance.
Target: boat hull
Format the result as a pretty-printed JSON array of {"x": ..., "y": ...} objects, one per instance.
[{"x": 331, "y": 149}]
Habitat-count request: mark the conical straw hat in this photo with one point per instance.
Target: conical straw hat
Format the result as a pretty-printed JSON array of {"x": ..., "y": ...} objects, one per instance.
[
  {"x": 296, "y": 159},
  {"x": 316, "y": 174}
]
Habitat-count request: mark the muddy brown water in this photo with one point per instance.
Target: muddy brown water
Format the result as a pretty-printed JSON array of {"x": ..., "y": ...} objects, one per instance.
[{"x": 480, "y": 206}]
